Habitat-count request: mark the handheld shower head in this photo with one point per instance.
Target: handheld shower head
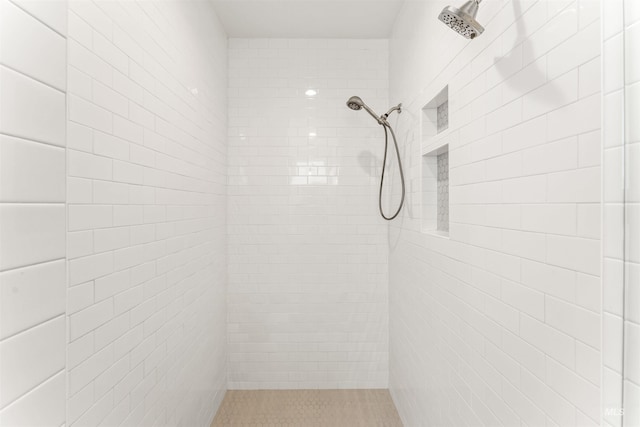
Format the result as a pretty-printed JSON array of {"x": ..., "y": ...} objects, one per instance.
[
  {"x": 463, "y": 20},
  {"x": 355, "y": 103}
]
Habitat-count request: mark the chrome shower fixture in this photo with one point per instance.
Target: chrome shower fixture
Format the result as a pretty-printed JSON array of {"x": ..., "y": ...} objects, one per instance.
[
  {"x": 356, "y": 103},
  {"x": 463, "y": 20}
]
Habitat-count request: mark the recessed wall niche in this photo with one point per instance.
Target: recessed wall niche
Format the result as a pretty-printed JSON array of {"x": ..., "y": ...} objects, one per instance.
[
  {"x": 435, "y": 191},
  {"x": 435, "y": 165},
  {"x": 435, "y": 115}
]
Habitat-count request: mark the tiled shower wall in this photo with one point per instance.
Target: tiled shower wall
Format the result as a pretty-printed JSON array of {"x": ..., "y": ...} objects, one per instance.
[
  {"x": 307, "y": 247},
  {"x": 499, "y": 324},
  {"x": 146, "y": 200},
  {"x": 32, "y": 212},
  {"x": 621, "y": 196}
]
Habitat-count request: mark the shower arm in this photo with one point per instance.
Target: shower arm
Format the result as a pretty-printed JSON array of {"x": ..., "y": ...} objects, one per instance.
[
  {"x": 383, "y": 118},
  {"x": 392, "y": 109}
]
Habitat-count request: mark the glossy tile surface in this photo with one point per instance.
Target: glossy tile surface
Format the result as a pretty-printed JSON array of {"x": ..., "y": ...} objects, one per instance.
[
  {"x": 30, "y": 109},
  {"x": 32, "y": 212},
  {"x": 307, "y": 247},
  {"x": 31, "y": 172},
  {"x": 146, "y": 213},
  {"x": 621, "y": 222},
  {"x": 501, "y": 320},
  {"x": 30, "y": 47}
]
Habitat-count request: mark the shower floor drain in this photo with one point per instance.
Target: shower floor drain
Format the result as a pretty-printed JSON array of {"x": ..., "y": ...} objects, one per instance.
[{"x": 307, "y": 408}]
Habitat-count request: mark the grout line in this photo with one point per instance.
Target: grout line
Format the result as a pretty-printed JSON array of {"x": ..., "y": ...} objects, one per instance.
[
  {"x": 30, "y": 77},
  {"x": 34, "y": 326},
  {"x": 32, "y": 265},
  {"x": 38, "y": 19},
  {"x": 31, "y": 140},
  {"x": 40, "y": 384},
  {"x": 36, "y": 141}
]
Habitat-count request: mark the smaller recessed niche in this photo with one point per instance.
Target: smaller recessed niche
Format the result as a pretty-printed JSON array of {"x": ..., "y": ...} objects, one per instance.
[{"x": 435, "y": 115}]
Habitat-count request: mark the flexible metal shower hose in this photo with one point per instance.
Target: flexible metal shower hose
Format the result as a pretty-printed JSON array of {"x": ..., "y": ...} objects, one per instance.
[{"x": 386, "y": 125}]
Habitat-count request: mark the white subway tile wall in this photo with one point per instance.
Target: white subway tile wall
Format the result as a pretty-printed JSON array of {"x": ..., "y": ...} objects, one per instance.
[
  {"x": 307, "y": 248},
  {"x": 123, "y": 214},
  {"x": 146, "y": 191},
  {"x": 621, "y": 222},
  {"x": 500, "y": 323},
  {"x": 32, "y": 212}
]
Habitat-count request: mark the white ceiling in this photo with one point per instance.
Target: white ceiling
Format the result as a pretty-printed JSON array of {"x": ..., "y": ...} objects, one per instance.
[{"x": 307, "y": 18}]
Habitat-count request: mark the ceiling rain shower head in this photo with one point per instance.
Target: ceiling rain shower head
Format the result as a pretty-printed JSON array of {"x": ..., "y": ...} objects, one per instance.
[{"x": 463, "y": 20}]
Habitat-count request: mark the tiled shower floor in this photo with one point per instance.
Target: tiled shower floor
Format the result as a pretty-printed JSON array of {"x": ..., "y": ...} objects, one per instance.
[{"x": 307, "y": 408}]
